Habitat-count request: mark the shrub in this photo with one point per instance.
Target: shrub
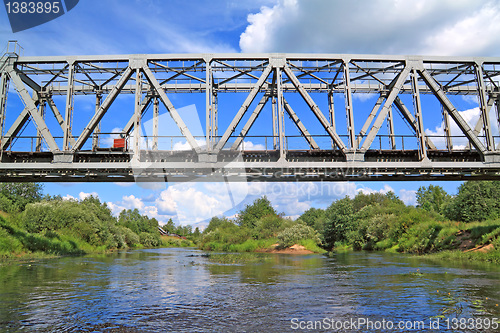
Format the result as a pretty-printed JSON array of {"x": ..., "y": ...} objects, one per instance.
[{"x": 294, "y": 234}]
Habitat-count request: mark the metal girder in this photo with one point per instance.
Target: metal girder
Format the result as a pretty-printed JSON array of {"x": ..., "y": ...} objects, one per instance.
[
  {"x": 312, "y": 76},
  {"x": 18, "y": 124},
  {"x": 410, "y": 119},
  {"x": 250, "y": 121},
  {"x": 370, "y": 118},
  {"x": 137, "y": 114},
  {"x": 314, "y": 108},
  {"x": 156, "y": 115},
  {"x": 480, "y": 123},
  {"x": 243, "y": 109},
  {"x": 303, "y": 130},
  {"x": 349, "y": 107},
  {"x": 171, "y": 109},
  {"x": 69, "y": 108},
  {"x": 451, "y": 110},
  {"x": 102, "y": 109},
  {"x": 390, "y": 125},
  {"x": 144, "y": 106},
  {"x": 59, "y": 118},
  {"x": 32, "y": 110},
  {"x": 398, "y": 83},
  {"x": 497, "y": 105},
  {"x": 484, "y": 108},
  {"x": 418, "y": 124}
]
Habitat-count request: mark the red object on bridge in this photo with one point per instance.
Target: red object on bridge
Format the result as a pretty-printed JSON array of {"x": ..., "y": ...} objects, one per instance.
[{"x": 119, "y": 143}]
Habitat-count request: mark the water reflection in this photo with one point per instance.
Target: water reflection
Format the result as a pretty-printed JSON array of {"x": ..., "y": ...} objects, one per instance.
[{"x": 182, "y": 290}]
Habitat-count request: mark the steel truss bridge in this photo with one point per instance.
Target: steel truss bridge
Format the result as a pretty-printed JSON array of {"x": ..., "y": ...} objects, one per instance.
[{"x": 300, "y": 88}]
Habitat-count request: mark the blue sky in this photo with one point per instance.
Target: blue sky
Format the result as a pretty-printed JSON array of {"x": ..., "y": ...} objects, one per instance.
[{"x": 428, "y": 27}]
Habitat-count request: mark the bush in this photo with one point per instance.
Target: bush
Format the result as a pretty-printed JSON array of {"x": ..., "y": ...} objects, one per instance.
[{"x": 296, "y": 233}]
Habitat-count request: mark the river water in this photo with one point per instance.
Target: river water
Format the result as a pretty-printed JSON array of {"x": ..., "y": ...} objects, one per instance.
[{"x": 181, "y": 290}]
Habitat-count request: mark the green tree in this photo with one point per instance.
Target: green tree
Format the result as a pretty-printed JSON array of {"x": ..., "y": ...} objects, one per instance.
[
  {"x": 252, "y": 213},
  {"x": 475, "y": 201},
  {"x": 314, "y": 218},
  {"x": 169, "y": 227},
  {"x": 18, "y": 195},
  {"x": 432, "y": 198},
  {"x": 339, "y": 221}
]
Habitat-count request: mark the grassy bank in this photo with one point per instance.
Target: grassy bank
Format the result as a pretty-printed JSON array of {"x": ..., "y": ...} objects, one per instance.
[{"x": 56, "y": 227}]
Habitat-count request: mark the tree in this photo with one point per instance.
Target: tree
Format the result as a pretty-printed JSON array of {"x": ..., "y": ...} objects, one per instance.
[
  {"x": 314, "y": 218},
  {"x": 18, "y": 195},
  {"x": 475, "y": 201},
  {"x": 169, "y": 227},
  {"x": 339, "y": 221},
  {"x": 432, "y": 198},
  {"x": 252, "y": 213}
]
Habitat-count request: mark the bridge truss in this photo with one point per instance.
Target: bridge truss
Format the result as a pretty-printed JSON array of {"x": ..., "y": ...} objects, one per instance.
[{"x": 47, "y": 135}]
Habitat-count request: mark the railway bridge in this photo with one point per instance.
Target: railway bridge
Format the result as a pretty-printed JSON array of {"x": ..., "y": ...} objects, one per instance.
[{"x": 261, "y": 117}]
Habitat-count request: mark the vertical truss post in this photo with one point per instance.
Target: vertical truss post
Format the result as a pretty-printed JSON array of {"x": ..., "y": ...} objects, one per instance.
[
  {"x": 417, "y": 106},
  {"x": 208, "y": 101},
  {"x": 97, "y": 130},
  {"x": 281, "y": 118},
  {"x": 137, "y": 113},
  {"x": 69, "y": 107},
  {"x": 348, "y": 106},
  {"x": 156, "y": 114},
  {"x": 447, "y": 130},
  {"x": 497, "y": 106},
  {"x": 390, "y": 127},
  {"x": 483, "y": 107},
  {"x": 331, "y": 113},
  {"x": 41, "y": 109},
  {"x": 4, "y": 84},
  {"x": 275, "y": 123},
  {"x": 215, "y": 124},
  {"x": 397, "y": 84}
]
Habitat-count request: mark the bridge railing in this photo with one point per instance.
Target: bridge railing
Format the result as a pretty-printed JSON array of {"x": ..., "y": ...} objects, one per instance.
[{"x": 105, "y": 142}]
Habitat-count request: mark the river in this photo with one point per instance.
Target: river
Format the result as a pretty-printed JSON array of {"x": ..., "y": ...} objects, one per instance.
[{"x": 181, "y": 290}]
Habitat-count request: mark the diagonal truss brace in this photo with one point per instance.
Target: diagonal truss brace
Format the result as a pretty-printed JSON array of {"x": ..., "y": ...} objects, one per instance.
[
  {"x": 315, "y": 109},
  {"x": 250, "y": 121},
  {"x": 396, "y": 87},
  {"x": 411, "y": 120},
  {"x": 33, "y": 110},
  {"x": 451, "y": 110},
  {"x": 171, "y": 109},
  {"x": 18, "y": 124},
  {"x": 246, "y": 104},
  {"x": 305, "y": 133},
  {"x": 144, "y": 105},
  {"x": 102, "y": 109}
]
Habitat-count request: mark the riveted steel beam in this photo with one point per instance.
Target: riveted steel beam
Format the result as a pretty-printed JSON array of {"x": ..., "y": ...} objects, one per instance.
[
  {"x": 451, "y": 110},
  {"x": 171, "y": 109},
  {"x": 315, "y": 109},
  {"x": 241, "y": 112}
]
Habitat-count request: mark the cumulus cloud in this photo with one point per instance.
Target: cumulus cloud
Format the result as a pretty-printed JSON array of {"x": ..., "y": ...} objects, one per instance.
[
  {"x": 81, "y": 196},
  {"x": 409, "y": 197},
  {"x": 459, "y": 141},
  {"x": 436, "y": 27}
]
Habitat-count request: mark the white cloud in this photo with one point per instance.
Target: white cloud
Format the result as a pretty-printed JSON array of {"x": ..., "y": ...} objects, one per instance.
[
  {"x": 131, "y": 202},
  {"x": 437, "y": 27},
  {"x": 459, "y": 140},
  {"x": 384, "y": 190},
  {"x": 81, "y": 196},
  {"x": 409, "y": 197}
]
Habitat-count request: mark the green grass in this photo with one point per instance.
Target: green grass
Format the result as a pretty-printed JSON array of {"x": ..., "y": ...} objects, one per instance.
[
  {"x": 311, "y": 245},
  {"x": 459, "y": 256}
]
